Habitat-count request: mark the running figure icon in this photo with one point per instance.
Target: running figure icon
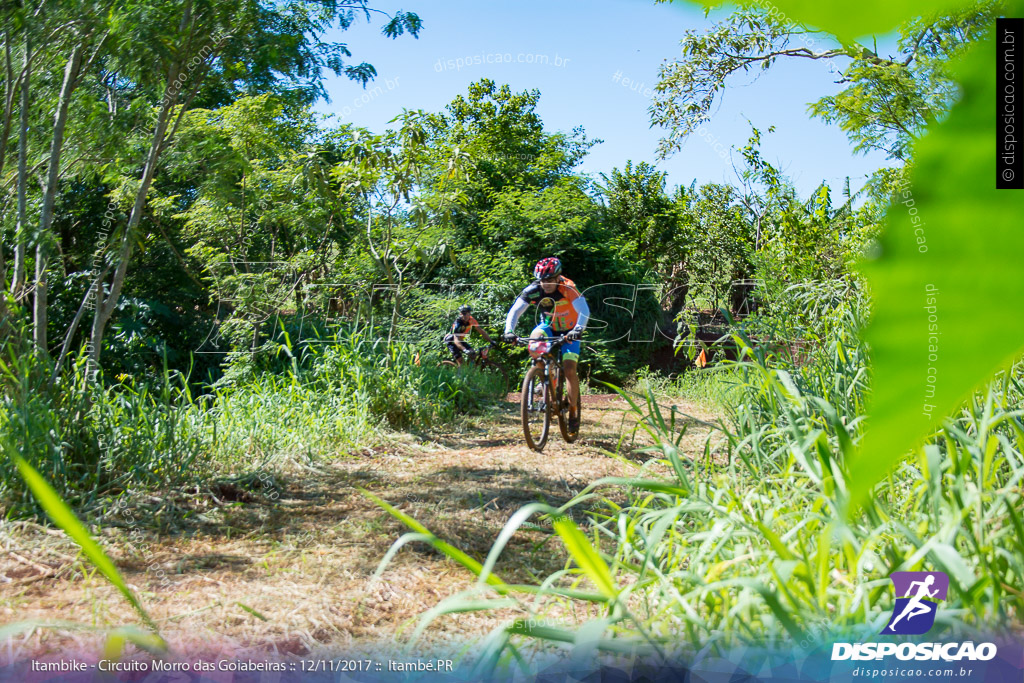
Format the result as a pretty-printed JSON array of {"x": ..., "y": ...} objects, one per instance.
[
  {"x": 917, "y": 598},
  {"x": 914, "y": 607}
]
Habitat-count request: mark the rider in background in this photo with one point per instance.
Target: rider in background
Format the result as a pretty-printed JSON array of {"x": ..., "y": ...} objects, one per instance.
[
  {"x": 461, "y": 328},
  {"x": 563, "y": 311}
]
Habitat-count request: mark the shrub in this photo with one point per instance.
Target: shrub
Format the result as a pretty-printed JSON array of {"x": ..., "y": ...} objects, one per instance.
[{"x": 92, "y": 441}]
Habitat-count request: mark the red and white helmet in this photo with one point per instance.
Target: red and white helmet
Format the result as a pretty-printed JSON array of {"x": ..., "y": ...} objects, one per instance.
[{"x": 547, "y": 267}]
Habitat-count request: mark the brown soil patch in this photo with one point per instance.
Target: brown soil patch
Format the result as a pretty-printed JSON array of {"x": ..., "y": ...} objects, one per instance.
[{"x": 286, "y": 567}]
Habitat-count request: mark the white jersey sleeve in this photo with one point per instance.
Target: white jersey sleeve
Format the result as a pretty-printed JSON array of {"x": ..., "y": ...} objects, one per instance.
[{"x": 515, "y": 313}]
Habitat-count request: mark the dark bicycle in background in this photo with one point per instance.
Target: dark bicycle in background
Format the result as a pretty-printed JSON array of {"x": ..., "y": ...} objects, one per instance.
[
  {"x": 478, "y": 359},
  {"x": 544, "y": 393}
]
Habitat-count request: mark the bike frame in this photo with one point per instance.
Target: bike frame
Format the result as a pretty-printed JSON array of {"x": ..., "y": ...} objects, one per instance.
[
  {"x": 551, "y": 357},
  {"x": 554, "y": 401},
  {"x": 477, "y": 358},
  {"x": 479, "y": 355}
]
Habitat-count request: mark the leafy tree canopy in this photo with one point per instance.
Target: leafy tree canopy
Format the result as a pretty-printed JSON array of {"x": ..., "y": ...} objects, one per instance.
[{"x": 887, "y": 100}]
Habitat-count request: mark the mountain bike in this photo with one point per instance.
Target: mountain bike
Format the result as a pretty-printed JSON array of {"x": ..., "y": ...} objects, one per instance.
[
  {"x": 478, "y": 359},
  {"x": 544, "y": 394}
]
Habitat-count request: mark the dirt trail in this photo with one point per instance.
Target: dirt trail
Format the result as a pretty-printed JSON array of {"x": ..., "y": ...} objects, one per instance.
[{"x": 300, "y": 565}]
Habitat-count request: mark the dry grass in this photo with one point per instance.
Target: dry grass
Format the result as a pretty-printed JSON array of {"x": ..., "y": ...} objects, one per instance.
[{"x": 302, "y": 563}]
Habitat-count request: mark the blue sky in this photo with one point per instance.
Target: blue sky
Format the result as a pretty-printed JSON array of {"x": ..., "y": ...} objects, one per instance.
[{"x": 585, "y": 45}]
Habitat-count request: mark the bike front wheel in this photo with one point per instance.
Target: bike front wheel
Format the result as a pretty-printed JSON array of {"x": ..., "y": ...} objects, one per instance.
[
  {"x": 562, "y": 407},
  {"x": 535, "y": 408}
]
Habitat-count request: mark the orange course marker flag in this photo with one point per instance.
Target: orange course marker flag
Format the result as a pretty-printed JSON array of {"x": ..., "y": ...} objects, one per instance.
[{"x": 702, "y": 360}]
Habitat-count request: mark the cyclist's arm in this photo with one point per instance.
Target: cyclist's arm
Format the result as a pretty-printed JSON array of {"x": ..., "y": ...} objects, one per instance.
[
  {"x": 473, "y": 324},
  {"x": 483, "y": 334},
  {"x": 515, "y": 313},
  {"x": 582, "y": 311}
]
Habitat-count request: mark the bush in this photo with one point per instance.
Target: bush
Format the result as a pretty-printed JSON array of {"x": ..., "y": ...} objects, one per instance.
[
  {"x": 92, "y": 441},
  {"x": 89, "y": 440}
]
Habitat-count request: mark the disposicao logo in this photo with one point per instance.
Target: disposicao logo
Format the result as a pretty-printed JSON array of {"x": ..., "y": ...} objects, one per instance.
[{"x": 917, "y": 598}]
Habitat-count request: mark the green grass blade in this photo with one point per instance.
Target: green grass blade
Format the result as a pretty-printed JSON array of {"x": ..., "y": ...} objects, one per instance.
[
  {"x": 513, "y": 524},
  {"x": 586, "y": 557},
  {"x": 428, "y": 536},
  {"x": 63, "y": 517},
  {"x": 961, "y": 277},
  {"x": 251, "y": 611}
]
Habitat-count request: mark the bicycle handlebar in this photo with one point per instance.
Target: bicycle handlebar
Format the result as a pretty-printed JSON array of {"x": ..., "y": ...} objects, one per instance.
[{"x": 525, "y": 341}]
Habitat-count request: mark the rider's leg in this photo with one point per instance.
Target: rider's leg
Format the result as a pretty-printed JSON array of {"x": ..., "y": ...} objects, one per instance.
[
  {"x": 456, "y": 353},
  {"x": 570, "y": 354},
  {"x": 540, "y": 332},
  {"x": 569, "y": 366}
]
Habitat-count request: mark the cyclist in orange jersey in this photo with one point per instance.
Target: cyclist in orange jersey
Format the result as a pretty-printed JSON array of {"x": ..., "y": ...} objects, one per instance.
[
  {"x": 464, "y": 324},
  {"x": 563, "y": 311}
]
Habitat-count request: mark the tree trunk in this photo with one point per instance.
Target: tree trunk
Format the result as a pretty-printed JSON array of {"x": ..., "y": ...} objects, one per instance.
[
  {"x": 70, "y": 334},
  {"x": 60, "y": 119},
  {"x": 39, "y": 301},
  {"x": 10, "y": 92},
  {"x": 394, "y": 309},
  {"x": 105, "y": 307},
  {"x": 21, "y": 229},
  {"x": 11, "y": 86}
]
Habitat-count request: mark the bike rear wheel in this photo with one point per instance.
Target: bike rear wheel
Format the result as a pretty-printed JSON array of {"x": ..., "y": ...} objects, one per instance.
[{"x": 535, "y": 408}]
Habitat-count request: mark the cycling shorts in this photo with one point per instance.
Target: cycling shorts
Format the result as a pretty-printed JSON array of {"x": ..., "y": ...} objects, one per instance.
[
  {"x": 456, "y": 351},
  {"x": 570, "y": 350}
]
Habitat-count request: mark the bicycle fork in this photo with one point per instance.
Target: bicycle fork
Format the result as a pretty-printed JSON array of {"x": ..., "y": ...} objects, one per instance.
[{"x": 554, "y": 378}]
